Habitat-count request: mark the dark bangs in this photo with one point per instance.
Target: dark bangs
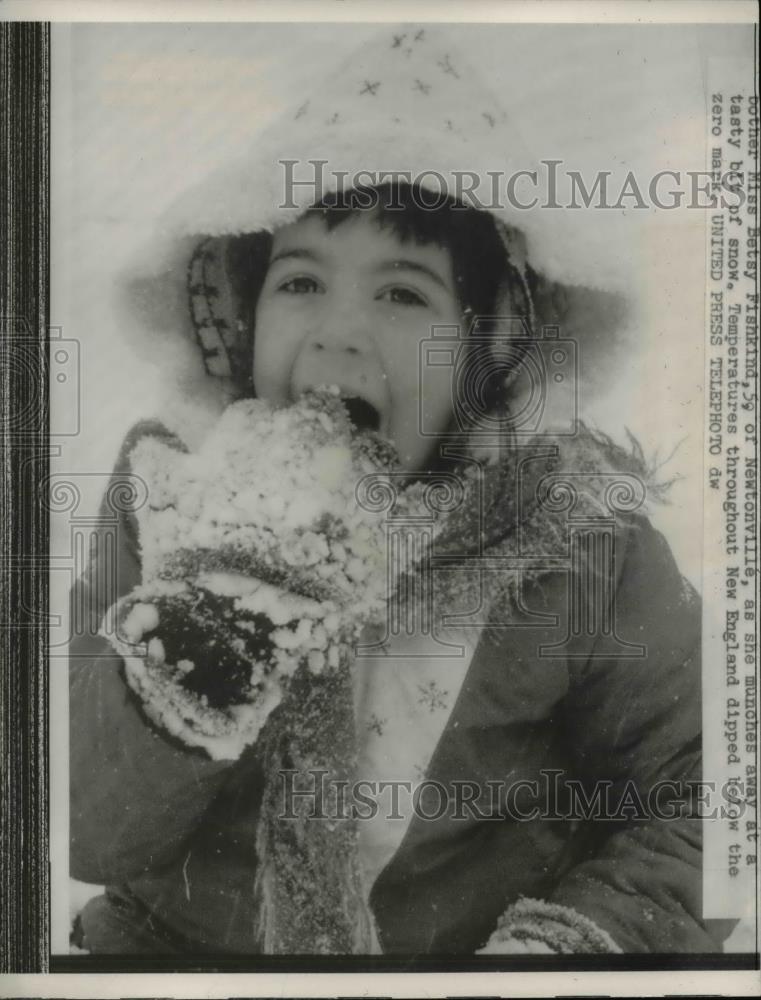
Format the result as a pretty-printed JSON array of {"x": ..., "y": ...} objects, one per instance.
[{"x": 479, "y": 259}]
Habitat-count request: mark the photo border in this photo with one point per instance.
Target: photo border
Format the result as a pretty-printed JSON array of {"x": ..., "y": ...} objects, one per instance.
[{"x": 24, "y": 697}]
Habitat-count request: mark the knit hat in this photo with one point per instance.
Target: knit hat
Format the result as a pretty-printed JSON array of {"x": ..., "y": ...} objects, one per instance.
[{"x": 406, "y": 104}]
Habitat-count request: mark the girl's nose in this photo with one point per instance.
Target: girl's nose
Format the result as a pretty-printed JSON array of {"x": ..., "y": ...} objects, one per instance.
[
  {"x": 336, "y": 350},
  {"x": 343, "y": 329}
]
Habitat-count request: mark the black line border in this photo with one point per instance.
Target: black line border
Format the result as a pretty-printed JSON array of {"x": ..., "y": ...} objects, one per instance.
[
  {"x": 420, "y": 963},
  {"x": 24, "y": 459}
]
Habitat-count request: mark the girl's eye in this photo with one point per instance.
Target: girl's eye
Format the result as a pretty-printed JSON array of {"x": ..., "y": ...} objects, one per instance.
[
  {"x": 402, "y": 296},
  {"x": 300, "y": 285}
]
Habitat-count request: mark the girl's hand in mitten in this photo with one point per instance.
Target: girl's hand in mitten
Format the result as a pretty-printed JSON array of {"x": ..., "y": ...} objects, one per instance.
[
  {"x": 199, "y": 678},
  {"x": 192, "y": 635}
]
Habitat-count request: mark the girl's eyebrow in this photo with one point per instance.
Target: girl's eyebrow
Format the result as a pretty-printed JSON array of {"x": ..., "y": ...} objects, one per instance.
[
  {"x": 417, "y": 267},
  {"x": 389, "y": 266},
  {"x": 298, "y": 253}
]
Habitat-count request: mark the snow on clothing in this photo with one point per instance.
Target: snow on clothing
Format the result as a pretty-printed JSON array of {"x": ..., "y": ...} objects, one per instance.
[{"x": 173, "y": 834}]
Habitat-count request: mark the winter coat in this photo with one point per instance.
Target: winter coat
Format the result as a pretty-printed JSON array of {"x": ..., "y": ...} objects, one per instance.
[{"x": 172, "y": 833}]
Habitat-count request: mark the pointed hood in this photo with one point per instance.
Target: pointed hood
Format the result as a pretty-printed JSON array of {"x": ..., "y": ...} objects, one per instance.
[{"x": 407, "y": 104}]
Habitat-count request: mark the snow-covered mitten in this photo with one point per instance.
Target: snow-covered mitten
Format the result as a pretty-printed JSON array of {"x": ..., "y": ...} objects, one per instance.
[{"x": 534, "y": 926}]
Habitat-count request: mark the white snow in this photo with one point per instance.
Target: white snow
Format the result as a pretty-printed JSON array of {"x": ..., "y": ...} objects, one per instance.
[
  {"x": 275, "y": 489},
  {"x": 142, "y": 618}
]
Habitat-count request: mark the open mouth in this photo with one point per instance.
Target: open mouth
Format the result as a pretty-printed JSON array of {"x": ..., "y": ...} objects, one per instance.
[{"x": 362, "y": 414}]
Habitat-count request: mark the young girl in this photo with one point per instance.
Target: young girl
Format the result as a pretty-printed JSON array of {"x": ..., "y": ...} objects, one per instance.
[{"x": 544, "y": 711}]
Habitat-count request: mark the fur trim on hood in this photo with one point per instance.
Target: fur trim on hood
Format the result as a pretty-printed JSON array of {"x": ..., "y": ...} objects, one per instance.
[{"x": 406, "y": 102}]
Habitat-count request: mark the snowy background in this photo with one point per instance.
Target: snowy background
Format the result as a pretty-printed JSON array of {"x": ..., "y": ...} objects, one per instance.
[{"x": 141, "y": 112}]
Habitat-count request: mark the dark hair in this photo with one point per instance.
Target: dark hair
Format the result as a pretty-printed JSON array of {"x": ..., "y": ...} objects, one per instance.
[
  {"x": 479, "y": 258},
  {"x": 480, "y": 262}
]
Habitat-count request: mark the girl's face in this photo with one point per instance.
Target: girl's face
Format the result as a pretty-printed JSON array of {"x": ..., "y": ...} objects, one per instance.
[{"x": 350, "y": 307}]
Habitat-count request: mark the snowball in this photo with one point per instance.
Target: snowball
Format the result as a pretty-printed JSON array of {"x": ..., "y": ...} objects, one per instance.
[
  {"x": 316, "y": 661},
  {"x": 156, "y": 651},
  {"x": 142, "y": 618}
]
